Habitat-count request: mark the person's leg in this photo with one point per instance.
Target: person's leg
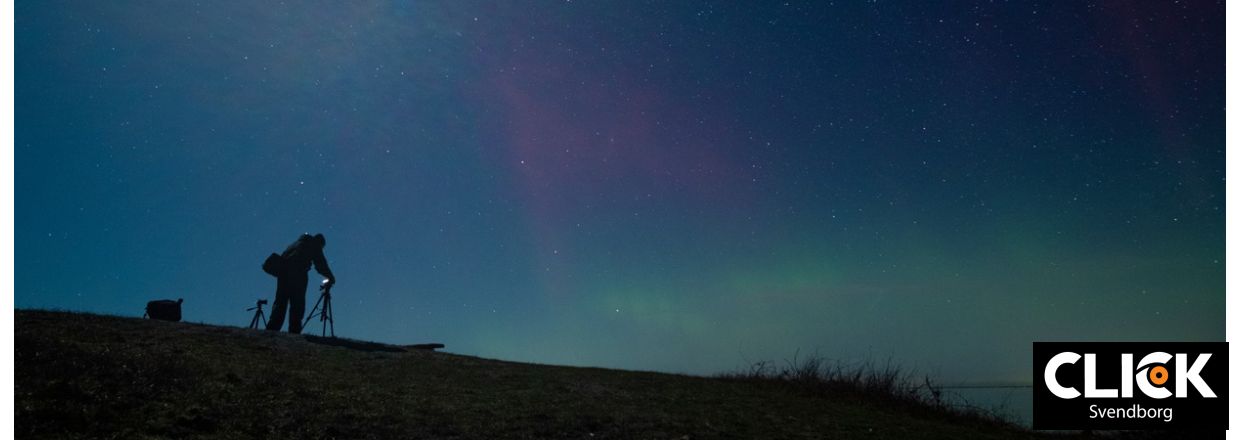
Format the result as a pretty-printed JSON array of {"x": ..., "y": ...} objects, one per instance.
[
  {"x": 297, "y": 296},
  {"x": 278, "y": 306}
]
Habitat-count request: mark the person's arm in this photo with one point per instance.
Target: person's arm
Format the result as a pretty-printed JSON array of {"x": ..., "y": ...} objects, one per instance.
[{"x": 320, "y": 265}]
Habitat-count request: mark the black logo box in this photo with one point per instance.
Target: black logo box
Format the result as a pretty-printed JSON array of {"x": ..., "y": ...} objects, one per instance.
[{"x": 1192, "y": 412}]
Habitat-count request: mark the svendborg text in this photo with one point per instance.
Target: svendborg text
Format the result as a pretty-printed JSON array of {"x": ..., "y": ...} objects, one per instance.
[{"x": 1133, "y": 412}]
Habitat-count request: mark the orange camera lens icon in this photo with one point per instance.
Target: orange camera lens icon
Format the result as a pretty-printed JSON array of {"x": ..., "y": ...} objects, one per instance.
[{"x": 1158, "y": 375}]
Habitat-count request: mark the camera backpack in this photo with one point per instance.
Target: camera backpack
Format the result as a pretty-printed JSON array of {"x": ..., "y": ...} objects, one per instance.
[
  {"x": 164, "y": 310},
  {"x": 274, "y": 265}
]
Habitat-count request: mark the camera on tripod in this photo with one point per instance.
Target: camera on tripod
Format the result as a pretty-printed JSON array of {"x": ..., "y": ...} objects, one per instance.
[
  {"x": 323, "y": 309},
  {"x": 259, "y": 317}
]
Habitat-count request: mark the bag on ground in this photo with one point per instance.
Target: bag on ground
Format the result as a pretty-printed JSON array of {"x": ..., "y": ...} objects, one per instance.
[{"x": 164, "y": 309}]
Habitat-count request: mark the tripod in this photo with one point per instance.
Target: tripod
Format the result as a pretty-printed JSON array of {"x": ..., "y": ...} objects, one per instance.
[
  {"x": 258, "y": 315},
  {"x": 324, "y": 313}
]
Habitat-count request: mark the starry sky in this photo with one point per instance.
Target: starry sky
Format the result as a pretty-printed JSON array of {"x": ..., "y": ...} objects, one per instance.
[{"x": 674, "y": 186}]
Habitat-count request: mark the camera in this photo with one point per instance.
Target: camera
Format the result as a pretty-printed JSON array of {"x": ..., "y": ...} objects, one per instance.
[{"x": 259, "y": 320}]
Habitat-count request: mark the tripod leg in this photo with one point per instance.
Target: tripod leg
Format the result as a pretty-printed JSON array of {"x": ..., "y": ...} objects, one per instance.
[
  {"x": 311, "y": 315},
  {"x": 331, "y": 320},
  {"x": 323, "y": 317},
  {"x": 327, "y": 318},
  {"x": 264, "y": 317}
]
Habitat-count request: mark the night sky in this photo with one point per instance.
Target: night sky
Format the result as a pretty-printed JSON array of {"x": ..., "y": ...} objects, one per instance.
[{"x": 680, "y": 187}]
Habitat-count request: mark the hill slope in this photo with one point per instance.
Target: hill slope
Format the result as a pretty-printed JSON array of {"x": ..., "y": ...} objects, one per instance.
[{"x": 82, "y": 375}]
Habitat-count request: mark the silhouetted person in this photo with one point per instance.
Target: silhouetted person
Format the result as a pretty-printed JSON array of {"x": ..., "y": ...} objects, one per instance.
[{"x": 291, "y": 283}]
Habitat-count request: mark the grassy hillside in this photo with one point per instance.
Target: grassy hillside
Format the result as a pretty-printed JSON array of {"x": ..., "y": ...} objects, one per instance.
[{"x": 91, "y": 376}]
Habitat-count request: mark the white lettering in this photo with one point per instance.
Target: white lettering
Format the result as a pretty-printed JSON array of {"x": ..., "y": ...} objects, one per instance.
[
  {"x": 1048, "y": 375},
  {"x": 1091, "y": 379},
  {"x": 1143, "y": 377},
  {"x": 1125, "y": 376},
  {"x": 1191, "y": 375},
  {"x": 1133, "y": 412}
]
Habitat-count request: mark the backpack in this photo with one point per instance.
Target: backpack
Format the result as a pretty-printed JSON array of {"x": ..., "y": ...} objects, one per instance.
[
  {"x": 164, "y": 310},
  {"x": 274, "y": 265}
]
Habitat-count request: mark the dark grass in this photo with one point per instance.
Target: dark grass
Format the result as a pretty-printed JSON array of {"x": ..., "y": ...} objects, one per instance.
[
  {"x": 868, "y": 379},
  {"x": 91, "y": 376},
  {"x": 892, "y": 385}
]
